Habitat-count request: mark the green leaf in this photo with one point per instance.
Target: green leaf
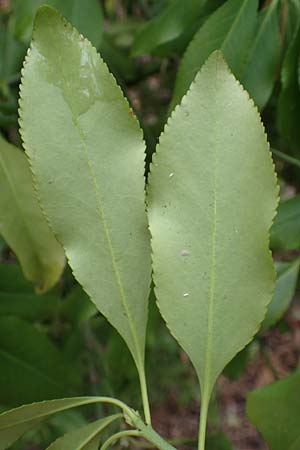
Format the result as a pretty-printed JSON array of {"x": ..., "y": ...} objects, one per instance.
[
  {"x": 218, "y": 441},
  {"x": 213, "y": 270},
  {"x": 77, "y": 306},
  {"x": 167, "y": 26},
  {"x": 285, "y": 288},
  {"x": 289, "y": 98},
  {"x": 285, "y": 232},
  {"x": 69, "y": 96},
  {"x": 229, "y": 29},
  {"x": 264, "y": 58},
  {"x": 87, "y": 17},
  {"x": 16, "y": 422},
  {"x": 32, "y": 369},
  {"x": 296, "y": 444},
  {"x": 23, "y": 225},
  {"x": 12, "y": 52},
  {"x": 17, "y": 297},
  {"x": 86, "y": 438},
  {"x": 274, "y": 410}
]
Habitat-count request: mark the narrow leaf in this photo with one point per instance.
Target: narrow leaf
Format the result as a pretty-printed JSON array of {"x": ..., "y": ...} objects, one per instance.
[
  {"x": 69, "y": 97},
  {"x": 17, "y": 297},
  {"x": 87, "y": 17},
  {"x": 229, "y": 29},
  {"x": 168, "y": 26},
  {"x": 86, "y": 438},
  {"x": 288, "y": 109},
  {"x": 23, "y": 225},
  {"x": 264, "y": 58},
  {"x": 14, "y": 423},
  {"x": 212, "y": 199},
  {"x": 285, "y": 232},
  {"x": 32, "y": 368},
  {"x": 274, "y": 410},
  {"x": 285, "y": 288}
]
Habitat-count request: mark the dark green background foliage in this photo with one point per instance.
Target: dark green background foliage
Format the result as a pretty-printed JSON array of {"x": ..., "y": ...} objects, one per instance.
[{"x": 53, "y": 342}]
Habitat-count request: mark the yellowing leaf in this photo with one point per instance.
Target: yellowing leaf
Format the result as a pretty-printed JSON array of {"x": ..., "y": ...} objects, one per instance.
[{"x": 23, "y": 225}]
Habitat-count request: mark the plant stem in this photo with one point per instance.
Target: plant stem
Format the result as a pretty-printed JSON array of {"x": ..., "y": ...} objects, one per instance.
[
  {"x": 151, "y": 435},
  {"x": 285, "y": 157},
  {"x": 145, "y": 398},
  {"x": 119, "y": 435},
  {"x": 203, "y": 420}
]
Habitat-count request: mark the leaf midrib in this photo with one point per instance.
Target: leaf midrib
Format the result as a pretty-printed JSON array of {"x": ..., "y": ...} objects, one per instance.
[
  {"x": 234, "y": 23},
  {"x": 262, "y": 28},
  {"x": 29, "y": 367},
  {"x": 138, "y": 356},
  {"x": 95, "y": 433},
  {"x": 46, "y": 414},
  {"x": 211, "y": 297}
]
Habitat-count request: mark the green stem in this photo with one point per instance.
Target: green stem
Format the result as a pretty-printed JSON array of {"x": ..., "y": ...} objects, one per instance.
[
  {"x": 285, "y": 157},
  {"x": 151, "y": 435},
  {"x": 130, "y": 413},
  {"x": 203, "y": 421},
  {"x": 144, "y": 393},
  {"x": 115, "y": 437}
]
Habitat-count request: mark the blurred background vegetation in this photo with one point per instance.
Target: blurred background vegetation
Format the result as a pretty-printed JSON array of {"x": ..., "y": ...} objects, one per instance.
[{"x": 52, "y": 340}]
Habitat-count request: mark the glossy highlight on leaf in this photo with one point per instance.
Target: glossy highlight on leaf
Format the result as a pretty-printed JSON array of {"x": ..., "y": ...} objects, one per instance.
[
  {"x": 89, "y": 172},
  {"x": 210, "y": 220},
  {"x": 23, "y": 225}
]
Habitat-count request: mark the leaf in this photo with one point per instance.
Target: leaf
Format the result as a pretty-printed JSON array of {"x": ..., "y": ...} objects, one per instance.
[
  {"x": 218, "y": 441},
  {"x": 289, "y": 98},
  {"x": 264, "y": 58},
  {"x": 77, "y": 306},
  {"x": 274, "y": 410},
  {"x": 213, "y": 270},
  {"x": 285, "y": 289},
  {"x": 12, "y": 52},
  {"x": 69, "y": 96},
  {"x": 85, "y": 438},
  {"x": 23, "y": 225},
  {"x": 16, "y": 422},
  {"x": 229, "y": 29},
  {"x": 32, "y": 369},
  {"x": 296, "y": 444},
  {"x": 87, "y": 17},
  {"x": 17, "y": 297},
  {"x": 167, "y": 26},
  {"x": 285, "y": 232}
]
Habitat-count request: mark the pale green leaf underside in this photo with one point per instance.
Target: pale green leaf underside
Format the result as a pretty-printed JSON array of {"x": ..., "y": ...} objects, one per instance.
[
  {"x": 23, "y": 225},
  {"x": 87, "y": 155},
  {"x": 229, "y": 29},
  {"x": 16, "y": 422},
  {"x": 86, "y": 438},
  {"x": 212, "y": 198}
]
